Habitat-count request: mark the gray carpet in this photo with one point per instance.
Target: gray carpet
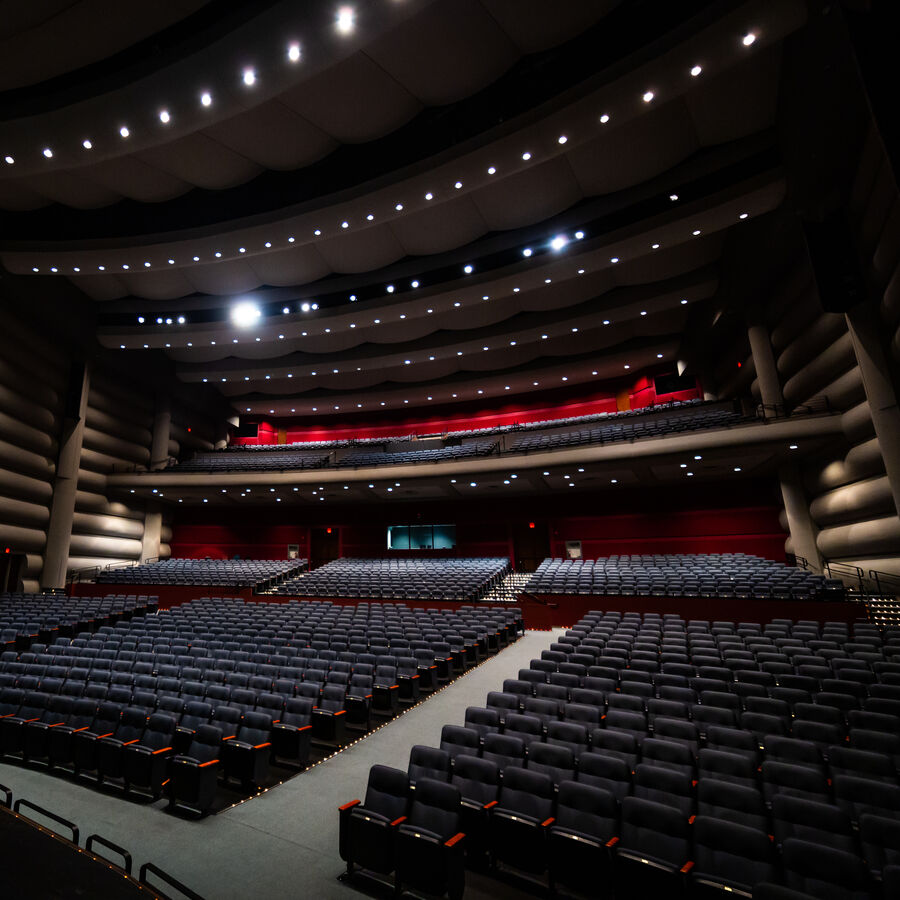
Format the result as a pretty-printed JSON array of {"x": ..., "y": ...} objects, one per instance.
[{"x": 284, "y": 842}]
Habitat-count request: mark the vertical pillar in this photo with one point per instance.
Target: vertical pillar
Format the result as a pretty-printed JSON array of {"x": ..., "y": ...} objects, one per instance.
[
  {"x": 65, "y": 483},
  {"x": 162, "y": 432},
  {"x": 764, "y": 361},
  {"x": 152, "y": 538},
  {"x": 865, "y": 326},
  {"x": 803, "y": 530}
]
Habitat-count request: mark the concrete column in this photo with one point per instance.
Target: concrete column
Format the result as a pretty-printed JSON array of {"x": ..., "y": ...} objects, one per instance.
[
  {"x": 65, "y": 487},
  {"x": 796, "y": 506},
  {"x": 152, "y": 531},
  {"x": 162, "y": 432},
  {"x": 866, "y": 332},
  {"x": 764, "y": 361}
]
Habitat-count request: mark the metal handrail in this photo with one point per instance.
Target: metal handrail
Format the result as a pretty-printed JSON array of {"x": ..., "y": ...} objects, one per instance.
[
  {"x": 168, "y": 879},
  {"x": 46, "y": 812}
]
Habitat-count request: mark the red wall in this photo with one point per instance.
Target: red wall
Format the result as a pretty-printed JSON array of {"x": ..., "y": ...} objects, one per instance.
[
  {"x": 702, "y": 519},
  {"x": 642, "y": 394},
  {"x": 746, "y": 529},
  {"x": 249, "y": 539}
]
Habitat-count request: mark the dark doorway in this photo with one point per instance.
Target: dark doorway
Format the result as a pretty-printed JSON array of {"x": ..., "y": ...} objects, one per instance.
[
  {"x": 12, "y": 565},
  {"x": 324, "y": 545},
  {"x": 531, "y": 544}
]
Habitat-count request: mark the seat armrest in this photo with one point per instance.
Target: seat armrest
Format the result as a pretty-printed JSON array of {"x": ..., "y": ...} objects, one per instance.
[
  {"x": 454, "y": 840},
  {"x": 548, "y": 822},
  {"x": 349, "y": 805},
  {"x": 687, "y": 867},
  {"x": 490, "y": 805},
  {"x": 397, "y": 822}
]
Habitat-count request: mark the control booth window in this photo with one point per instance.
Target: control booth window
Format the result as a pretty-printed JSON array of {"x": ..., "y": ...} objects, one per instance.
[{"x": 421, "y": 537}]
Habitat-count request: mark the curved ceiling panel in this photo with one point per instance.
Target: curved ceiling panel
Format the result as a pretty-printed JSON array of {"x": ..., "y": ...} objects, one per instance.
[
  {"x": 36, "y": 37},
  {"x": 530, "y": 196},
  {"x": 354, "y": 101},
  {"x": 273, "y": 136},
  {"x": 446, "y": 52}
]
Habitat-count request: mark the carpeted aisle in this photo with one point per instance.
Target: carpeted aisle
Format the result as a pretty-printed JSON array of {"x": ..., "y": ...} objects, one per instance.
[{"x": 283, "y": 843}]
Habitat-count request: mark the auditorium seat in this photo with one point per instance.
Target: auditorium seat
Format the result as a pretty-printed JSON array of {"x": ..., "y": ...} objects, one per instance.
[
  {"x": 368, "y": 829},
  {"x": 193, "y": 775},
  {"x": 519, "y": 822},
  {"x": 246, "y": 755}
]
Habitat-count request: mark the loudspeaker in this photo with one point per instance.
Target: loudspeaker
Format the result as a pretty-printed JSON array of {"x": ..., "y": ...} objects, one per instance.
[
  {"x": 72, "y": 400},
  {"x": 834, "y": 263}
]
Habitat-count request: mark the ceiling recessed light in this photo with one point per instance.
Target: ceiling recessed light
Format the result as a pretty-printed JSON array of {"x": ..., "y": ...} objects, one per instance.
[
  {"x": 627, "y": 366},
  {"x": 206, "y": 98},
  {"x": 526, "y": 156},
  {"x": 164, "y": 116},
  {"x": 654, "y": 246},
  {"x": 648, "y": 96},
  {"x": 458, "y": 185},
  {"x": 492, "y": 170},
  {"x": 562, "y": 139},
  {"x": 673, "y": 197},
  {"x": 696, "y": 70},
  {"x": 613, "y": 480},
  {"x": 604, "y": 118},
  {"x": 659, "y": 356},
  {"x": 86, "y": 143},
  {"x": 559, "y": 242},
  {"x": 792, "y": 447},
  {"x": 124, "y": 131},
  {"x": 414, "y": 284},
  {"x": 606, "y": 321},
  {"x": 614, "y": 259},
  {"x": 643, "y": 312},
  {"x": 683, "y": 302},
  {"x": 249, "y": 77},
  {"x": 737, "y": 468},
  {"x": 695, "y": 232},
  {"x": 246, "y": 314},
  {"x": 345, "y": 20},
  {"x": 468, "y": 269},
  {"x": 48, "y": 152},
  {"x": 293, "y": 52},
  {"x": 748, "y": 39},
  {"x": 743, "y": 215},
  {"x": 399, "y": 207}
]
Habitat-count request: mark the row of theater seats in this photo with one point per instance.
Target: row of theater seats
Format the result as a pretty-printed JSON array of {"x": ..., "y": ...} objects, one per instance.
[
  {"x": 725, "y": 576},
  {"x": 433, "y": 454},
  {"x": 631, "y": 431},
  {"x": 206, "y": 572},
  {"x": 281, "y": 674},
  {"x": 582, "y": 420},
  {"x": 789, "y": 729},
  {"x": 410, "y": 579},
  {"x": 497, "y": 429},
  {"x": 242, "y": 460},
  {"x": 30, "y": 617},
  {"x": 578, "y": 835},
  {"x": 303, "y": 455}
]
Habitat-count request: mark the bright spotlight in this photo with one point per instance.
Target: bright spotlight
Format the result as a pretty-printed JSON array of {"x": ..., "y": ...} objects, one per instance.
[
  {"x": 346, "y": 19},
  {"x": 245, "y": 314},
  {"x": 559, "y": 242}
]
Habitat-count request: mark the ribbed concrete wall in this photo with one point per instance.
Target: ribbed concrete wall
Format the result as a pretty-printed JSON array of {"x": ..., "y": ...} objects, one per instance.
[
  {"x": 32, "y": 384},
  {"x": 117, "y": 435}
]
